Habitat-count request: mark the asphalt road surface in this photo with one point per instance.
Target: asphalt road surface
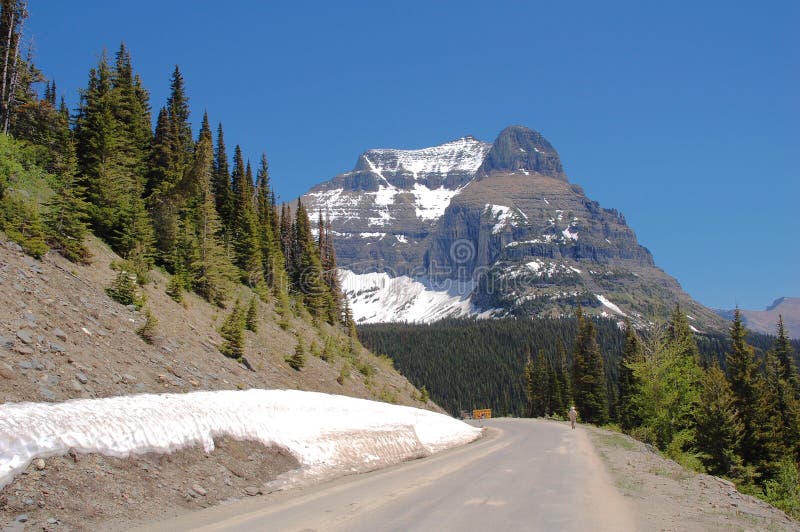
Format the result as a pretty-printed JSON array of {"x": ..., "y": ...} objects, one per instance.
[{"x": 523, "y": 475}]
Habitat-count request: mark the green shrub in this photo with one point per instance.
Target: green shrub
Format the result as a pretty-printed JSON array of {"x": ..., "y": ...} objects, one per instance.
[
  {"x": 21, "y": 222},
  {"x": 783, "y": 491},
  {"x": 148, "y": 329},
  {"x": 298, "y": 360},
  {"x": 251, "y": 320},
  {"x": 232, "y": 331},
  {"x": 124, "y": 290}
]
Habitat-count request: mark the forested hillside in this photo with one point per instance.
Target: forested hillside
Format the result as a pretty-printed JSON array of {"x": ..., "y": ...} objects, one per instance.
[
  {"x": 182, "y": 219},
  {"x": 467, "y": 363}
]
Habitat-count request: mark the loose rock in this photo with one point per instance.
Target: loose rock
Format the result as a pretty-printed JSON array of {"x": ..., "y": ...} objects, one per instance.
[
  {"x": 199, "y": 490},
  {"x": 25, "y": 335},
  {"x": 61, "y": 335}
]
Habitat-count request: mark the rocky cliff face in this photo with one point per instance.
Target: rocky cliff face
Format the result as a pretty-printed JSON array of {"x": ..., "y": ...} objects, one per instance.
[{"x": 499, "y": 226}]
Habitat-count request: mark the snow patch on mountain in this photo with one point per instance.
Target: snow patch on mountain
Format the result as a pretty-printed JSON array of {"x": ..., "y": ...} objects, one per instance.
[
  {"x": 431, "y": 204},
  {"x": 503, "y": 216},
  {"x": 463, "y": 155},
  {"x": 326, "y": 433},
  {"x": 608, "y": 304},
  {"x": 378, "y": 297},
  {"x": 570, "y": 234}
]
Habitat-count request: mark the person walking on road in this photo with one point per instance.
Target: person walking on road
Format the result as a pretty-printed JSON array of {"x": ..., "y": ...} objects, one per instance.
[{"x": 573, "y": 416}]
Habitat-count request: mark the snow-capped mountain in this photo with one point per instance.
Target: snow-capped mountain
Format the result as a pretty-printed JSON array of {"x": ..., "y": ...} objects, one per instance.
[{"x": 470, "y": 228}]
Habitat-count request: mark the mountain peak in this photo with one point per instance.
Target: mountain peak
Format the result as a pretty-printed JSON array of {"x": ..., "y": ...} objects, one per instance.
[{"x": 520, "y": 149}]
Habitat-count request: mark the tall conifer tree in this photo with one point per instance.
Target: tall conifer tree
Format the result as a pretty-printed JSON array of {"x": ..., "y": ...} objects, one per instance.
[{"x": 589, "y": 379}]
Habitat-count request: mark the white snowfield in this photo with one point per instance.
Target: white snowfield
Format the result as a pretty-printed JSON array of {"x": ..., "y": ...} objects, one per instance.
[
  {"x": 325, "y": 433},
  {"x": 377, "y": 298}
]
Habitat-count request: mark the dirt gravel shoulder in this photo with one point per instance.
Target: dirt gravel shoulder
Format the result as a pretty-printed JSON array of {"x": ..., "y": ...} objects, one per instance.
[
  {"x": 95, "y": 492},
  {"x": 665, "y": 496}
]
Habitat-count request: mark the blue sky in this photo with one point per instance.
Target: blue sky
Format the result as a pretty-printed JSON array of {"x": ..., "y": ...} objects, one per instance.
[{"x": 684, "y": 117}]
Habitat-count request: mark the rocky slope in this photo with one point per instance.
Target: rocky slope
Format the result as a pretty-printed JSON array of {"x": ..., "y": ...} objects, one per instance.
[
  {"x": 765, "y": 321},
  {"x": 510, "y": 235},
  {"x": 62, "y": 337}
]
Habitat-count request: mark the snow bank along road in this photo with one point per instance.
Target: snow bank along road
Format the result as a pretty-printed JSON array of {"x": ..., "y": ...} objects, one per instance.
[
  {"x": 524, "y": 475},
  {"x": 327, "y": 434}
]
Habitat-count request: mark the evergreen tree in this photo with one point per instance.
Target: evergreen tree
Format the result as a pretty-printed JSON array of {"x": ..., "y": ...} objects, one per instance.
[
  {"x": 680, "y": 335},
  {"x": 222, "y": 186},
  {"x": 557, "y": 404},
  {"x": 719, "y": 429},
  {"x": 171, "y": 157},
  {"x": 251, "y": 321},
  {"x": 307, "y": 268},
  {"x": 232, "y": 332},
  {"x": 205, "y": 260},
  {"x": 65, "y": 218},
  {"x": 564, "y": 375},
  {"x": 589, "y": 379},
  {"x": 782, "y": 409},
  {"x": 529, "y": 384},
  {"x": 785, "y": 355},
  {"x": 247, "y": 250},
  {"x": 348, "y": 321},
  {"x": 271, "y": 253},
  {"x": 743, "y": 374},
  {"x": 330, "y": 272},
  {"x": 13, "y": 14},
  {"x": 298, "y": 360},
  {"x": 112, "y": 134},
  {"x": 631, "y": 354}
]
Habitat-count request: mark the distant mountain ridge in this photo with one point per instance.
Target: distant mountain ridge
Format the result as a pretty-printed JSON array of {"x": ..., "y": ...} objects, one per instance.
[
  {"x": 470, "y": 228},
  {"x": 764, "y": 321}
]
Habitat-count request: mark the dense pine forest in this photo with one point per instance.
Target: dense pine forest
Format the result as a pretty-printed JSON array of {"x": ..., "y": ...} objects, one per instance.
[
  {"x": 726, "y": 405},
  {"x": 157, "y": 195}
]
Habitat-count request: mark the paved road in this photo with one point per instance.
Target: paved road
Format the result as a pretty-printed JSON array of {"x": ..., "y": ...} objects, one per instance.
[{"x": 523, "y": 475}]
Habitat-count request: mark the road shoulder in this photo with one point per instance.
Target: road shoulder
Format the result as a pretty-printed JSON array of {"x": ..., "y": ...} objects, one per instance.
[{"x": 665, "y": 496}]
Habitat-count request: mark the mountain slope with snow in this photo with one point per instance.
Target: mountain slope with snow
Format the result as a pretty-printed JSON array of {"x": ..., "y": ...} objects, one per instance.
[{"x": 476, "y": 216}]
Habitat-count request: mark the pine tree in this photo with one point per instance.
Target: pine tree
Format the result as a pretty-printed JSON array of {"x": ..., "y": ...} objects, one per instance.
[
  {"x": 171, "y": 157},
  {"x": 330, "y": 270},
  {"x": 307, "y": 268},
  {"x": 298, "y": 360},
  {"x": 349, "y": 321},
  {"x": 65, "y": 218},
  {"x": 232, "y": 332},
  {"x": 680, "y": 334},
  {"x": 785, "y": 354},
  {"x": 271, "y": 253},
  {"x": 631, "y": 354},
  {"x": 222, "y": 186},
  {"x": 743, "y": 374},
  {"x": 589, "y": 380},
  {"x": 556, "y": 397},
  {"x": 12, "y": 18},
  {"x": 112, "y": 142},
  {"x": 564, "y": 375},
  {"x": 247, "y": 251},
  {"x": 205, "y": 260},
  {"x": 251, "y": 321},
  {"x": 782, "y": 410},
  {"x": 719, "y": 429},
  {"x": 529, "y": 384}
]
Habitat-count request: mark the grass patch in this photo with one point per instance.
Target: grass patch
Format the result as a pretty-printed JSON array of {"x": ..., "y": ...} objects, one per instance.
[{"x": 615, "y": 440}]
